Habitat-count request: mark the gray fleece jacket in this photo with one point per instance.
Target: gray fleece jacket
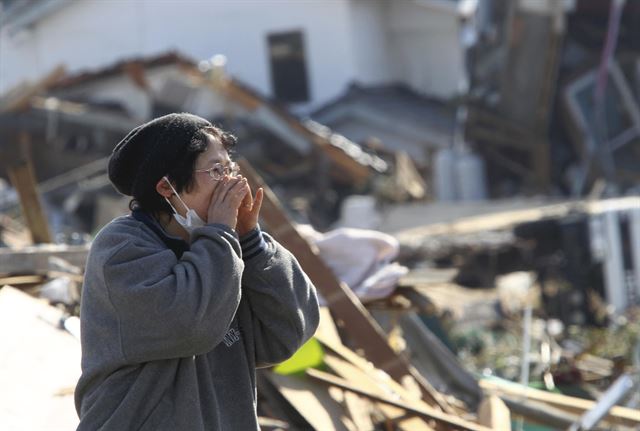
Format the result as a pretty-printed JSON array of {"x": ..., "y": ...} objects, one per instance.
[{"x": 171, "y": 341}]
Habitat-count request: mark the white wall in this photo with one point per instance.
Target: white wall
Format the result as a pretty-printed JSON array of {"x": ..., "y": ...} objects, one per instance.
[
  {"x": 82, "y": 34},
  {"x": 95, "y": 33},
  {"x": 416, "y": 42},
  {"x": 424, "y": 41},
  {"x": 371, "y": 42}
]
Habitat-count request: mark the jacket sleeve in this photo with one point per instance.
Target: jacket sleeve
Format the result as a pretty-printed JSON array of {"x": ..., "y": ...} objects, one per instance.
[
  {"x": 282, "y": 299},
  {"x": 169, "y": 307}
]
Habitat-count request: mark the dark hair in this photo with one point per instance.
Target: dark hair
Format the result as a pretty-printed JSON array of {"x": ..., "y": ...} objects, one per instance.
[{"x": 181, "y": 174}]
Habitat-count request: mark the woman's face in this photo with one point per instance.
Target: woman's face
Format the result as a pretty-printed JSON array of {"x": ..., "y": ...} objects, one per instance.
[{"x": 199, "y": 197}]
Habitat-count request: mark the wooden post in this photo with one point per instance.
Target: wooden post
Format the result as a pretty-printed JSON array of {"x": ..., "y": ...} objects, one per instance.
[
  {"x": 23, "y": 180},
  {"x": 357, "y": 322}
]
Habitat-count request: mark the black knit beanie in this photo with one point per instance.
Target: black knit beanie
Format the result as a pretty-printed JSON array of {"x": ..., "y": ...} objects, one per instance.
[{"x": 149, "y": 151}]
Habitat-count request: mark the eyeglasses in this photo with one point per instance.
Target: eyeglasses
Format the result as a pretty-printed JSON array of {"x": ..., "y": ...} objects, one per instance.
[{"x": 218, "y": 171}]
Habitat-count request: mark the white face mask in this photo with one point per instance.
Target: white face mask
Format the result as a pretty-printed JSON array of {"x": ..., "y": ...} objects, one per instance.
[{"x": 192, "y": 220}]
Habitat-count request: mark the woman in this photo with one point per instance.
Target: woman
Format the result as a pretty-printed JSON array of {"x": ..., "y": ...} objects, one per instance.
[{"x": 185, "y": 297}]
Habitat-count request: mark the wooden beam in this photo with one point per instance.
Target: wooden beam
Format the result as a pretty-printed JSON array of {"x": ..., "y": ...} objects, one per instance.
[
  {"x": 311, "y": 401},
  {"x": 617, "y": 415},
  {"x": 274, "y": 403},
  {"x": 24, "y": 181},
  {"x": 75, "y": 175},
  {"x": 327, "y": 328},
  {"x": 22, "y": 279},
  {"x": 494, "y": 413},
  {"x": 359, "y": 410},
  {"x": 367, "y": 368},
  {"x": 538, "y": 412},
  {"x": 358, "y": 172},
  {"x": 371, "y": 380},
  {"x": 35, "y": 259},
  {"x": 436, "y": 362},
  {"x": 345, "y": 305},
  {"x": 424, "y": 412}
]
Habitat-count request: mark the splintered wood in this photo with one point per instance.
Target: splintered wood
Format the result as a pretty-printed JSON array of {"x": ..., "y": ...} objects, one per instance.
[
  {"x": 371, "y": 391},
  {"x": 345, "y": 305}
]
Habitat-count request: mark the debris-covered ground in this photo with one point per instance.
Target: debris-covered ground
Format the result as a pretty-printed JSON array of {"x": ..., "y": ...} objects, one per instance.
[{"x": 464, "y": 343}]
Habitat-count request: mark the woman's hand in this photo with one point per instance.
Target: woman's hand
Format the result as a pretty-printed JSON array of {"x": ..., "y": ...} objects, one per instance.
[
  {"x": 229, "y": 194},
  {"x": 249, "y": 212}
]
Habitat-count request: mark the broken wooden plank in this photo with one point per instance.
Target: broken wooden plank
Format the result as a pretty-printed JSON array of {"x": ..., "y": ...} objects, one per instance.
[
  {"x": 311, "y": 401},
  {"x": 73, "y": 176},
  {"x": 494, "y": 413},
  {"x": 423, "y": 276},
  {"x": 24, "y": 181},
  {"x": 617, "y": 415},
  {"x": 272, "y": 403},
  {"x": 407, "y": 177},
  {"x": 35, "y": 259},
  {"x": 270, "y": 424},
  {"x": 434, "y": 359},
  {"x": 19, "y": 280},
  {"x": 382, "y": 379},
  {"x": 356, "y": 172},
  {"x": 62, "y": 268},
  {"x": 405, "y": 183},
  {"x": 350, "y": 366},
  {"x": 12, "y": 233},
  {"x": 327, "y": 327},
  {"x": 341, "y": 300},
  {"x": 425, "y": 412},
  {"x": 538, "y": 412},
  {"x": 359, "y": 411},
  {"x": 371, "y": 381}
]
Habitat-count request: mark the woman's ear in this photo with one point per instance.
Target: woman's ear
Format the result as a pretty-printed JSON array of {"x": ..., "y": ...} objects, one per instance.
[{"x": 164, "y": 188}]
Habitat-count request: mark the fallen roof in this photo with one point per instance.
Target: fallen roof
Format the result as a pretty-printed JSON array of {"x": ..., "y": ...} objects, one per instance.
[
  {"x": 394, "y": 107},
  {"x": 357, "y": 164},
  {"x": 312, "y": 130},
  {"x": 122, "y": 66}
]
